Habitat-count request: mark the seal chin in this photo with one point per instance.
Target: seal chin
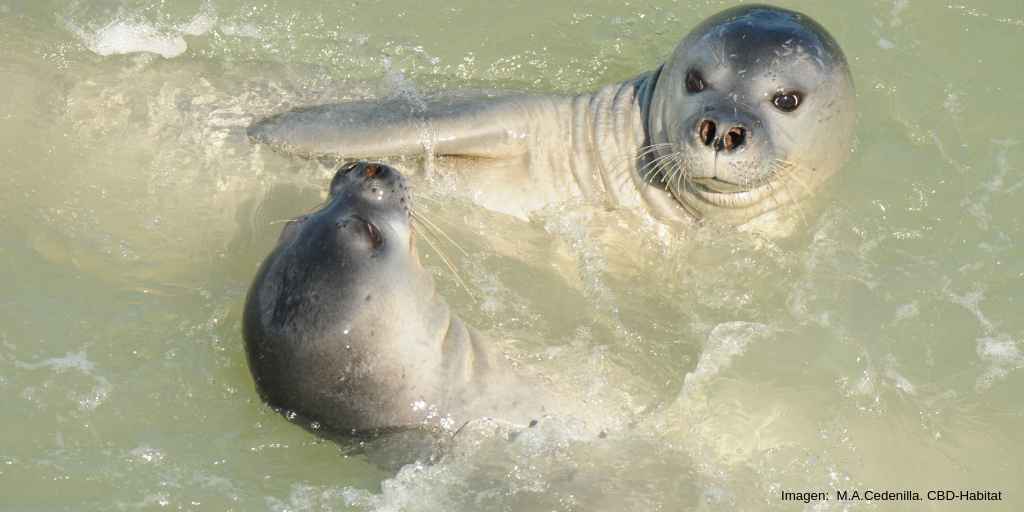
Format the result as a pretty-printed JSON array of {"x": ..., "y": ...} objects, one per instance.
[
  {"x": 723, "y": 194},
  {"x": 741, "y": 198},
  {"x": 719, "y": 185}
]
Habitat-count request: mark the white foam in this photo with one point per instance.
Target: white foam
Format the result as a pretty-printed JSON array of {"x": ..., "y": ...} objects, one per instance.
[
  {"x": 200, "y": 24},
  {"x": 998, "y": 184},
  {"x": 572, "y": 227},
  {"x": 534, "y": 459},
  {"x": 133, "y": 33},
  {"x": 145, "y": 453},
  {"x": 121, "y": 37},
  {"x": 70, "y": 361},
  {"x": 865, "y": 385},
  {"x": 902, "y": 382},
  {"x": 240, "y": 29},
  {"x": 79, "y": 362},
  {"x": 726, "y": 341},
  {"x": 778, "y": 223},
  {"x": 1002, "y": 355},
  {"x": 970, "y": 301},
  {"x": 725, "y": 430},
  {"x": 907, "y": 311}
]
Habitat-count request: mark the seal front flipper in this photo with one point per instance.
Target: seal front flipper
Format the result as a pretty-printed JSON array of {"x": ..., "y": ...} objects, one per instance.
[
  {"x": 356, "y": 129},
  {"x": 477, "y": 125}
]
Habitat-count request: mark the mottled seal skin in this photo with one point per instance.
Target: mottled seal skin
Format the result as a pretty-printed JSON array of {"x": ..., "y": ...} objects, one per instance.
[
  {"x": 754, "y": 109},
  {"x": 342, "y": 326}
]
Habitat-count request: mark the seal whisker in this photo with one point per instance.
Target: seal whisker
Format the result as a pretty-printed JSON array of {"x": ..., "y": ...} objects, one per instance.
[
  {"x": 433, "y": 228},
  {"x": 642, "y": 153},
  {"x": 658, "y": 164},
  {"x": 796, "y": 202},
  {"x": 688, "y": 176},
  {"x": 653, "y": 147},
  {"x": 647, "y": 166},
  {"x": 436, "y": 229},
  {"x": 419, "y": 227},
  {"x": 647, "y": 150},
  {"x": 794, "y": 164},
  {"x": 671, "y": 165},
  {"x": 713, "y": 54},
  {"x": 681, "y": 172},
  {"x": 428, "y": 198},
  {"x": 671, "y": 162},
  {"x": 667, "y": 169},
  {"x": 451, "y": 267},
  {"x": 799, "y": 180},
  {"x": 640, "y": 169},
  {"x": 315, "y": 207}
]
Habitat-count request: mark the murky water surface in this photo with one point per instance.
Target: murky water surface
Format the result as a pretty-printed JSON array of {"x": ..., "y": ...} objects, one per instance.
[{"x": 877, "y": 347}]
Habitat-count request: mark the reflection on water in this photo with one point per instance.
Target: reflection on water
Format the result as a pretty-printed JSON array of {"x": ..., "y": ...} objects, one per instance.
[{"x": 876, "y": 347}]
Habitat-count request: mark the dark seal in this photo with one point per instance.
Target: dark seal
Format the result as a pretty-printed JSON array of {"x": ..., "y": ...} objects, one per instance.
[{"x": 342, "y": 325}]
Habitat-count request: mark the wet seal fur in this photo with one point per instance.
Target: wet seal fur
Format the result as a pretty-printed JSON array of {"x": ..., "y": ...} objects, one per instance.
[
  {"x": 342, "y": 326},
  {"x": 754, "y": 109}
]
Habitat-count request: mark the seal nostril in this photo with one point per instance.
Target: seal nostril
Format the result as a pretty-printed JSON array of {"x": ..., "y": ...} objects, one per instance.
[
  {"x": 348, "y": 167},
  {"x": 735, "y": 138},
  {"x": 707, "y": 132},
  {"x": 371, "y": 170}
]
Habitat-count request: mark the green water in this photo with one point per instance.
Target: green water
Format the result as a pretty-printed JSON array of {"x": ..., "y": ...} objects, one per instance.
[{"x": 877, "y": 347}]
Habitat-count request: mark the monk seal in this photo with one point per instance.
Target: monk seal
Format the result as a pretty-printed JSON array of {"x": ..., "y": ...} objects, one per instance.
[
  {"x": 342, "y": 327},
  {"x": 754, "y": 109}
]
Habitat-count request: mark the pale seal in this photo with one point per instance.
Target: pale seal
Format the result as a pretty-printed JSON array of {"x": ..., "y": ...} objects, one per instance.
[
  {"x": 342, "y": 326},
  {"x": 755, "y": 108}
]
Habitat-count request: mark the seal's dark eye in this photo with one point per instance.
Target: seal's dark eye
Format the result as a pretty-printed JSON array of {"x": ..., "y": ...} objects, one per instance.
[
  {"x": 694, "y": 83},
  {"x": 786, "y": 101}
]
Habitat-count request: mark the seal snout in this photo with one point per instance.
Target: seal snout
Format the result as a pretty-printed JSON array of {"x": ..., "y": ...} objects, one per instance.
[
  {"x": 380, "y": 180},
  {"x": 375, "y": 193},
  {"x": 731, "y": 139}
]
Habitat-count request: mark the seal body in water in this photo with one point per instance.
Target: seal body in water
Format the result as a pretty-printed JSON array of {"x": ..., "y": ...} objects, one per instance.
[
  {"x": 342, "y": 325},
  {"x": 755, "y": 108}
]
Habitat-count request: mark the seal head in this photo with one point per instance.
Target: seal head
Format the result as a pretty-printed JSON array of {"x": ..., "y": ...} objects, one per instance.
[{"x": 755, "y": 108}]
